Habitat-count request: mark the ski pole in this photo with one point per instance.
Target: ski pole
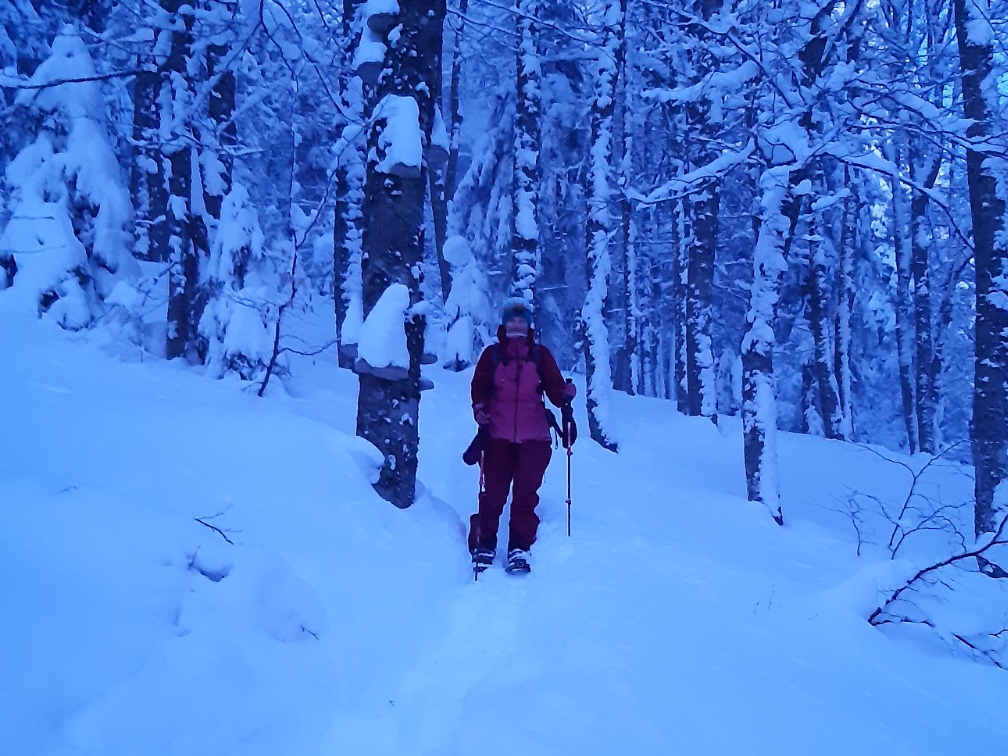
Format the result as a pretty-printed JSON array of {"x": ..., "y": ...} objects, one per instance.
[
  {"x": 479, "y": 520},
  {"x": 569, "y": 453},
  {"x": 567, "y": 413}
]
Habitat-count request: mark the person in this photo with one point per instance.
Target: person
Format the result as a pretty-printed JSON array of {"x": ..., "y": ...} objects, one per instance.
[{"x": 508, "y": 385}]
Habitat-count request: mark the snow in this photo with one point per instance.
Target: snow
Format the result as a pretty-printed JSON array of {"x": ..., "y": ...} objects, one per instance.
[
  {"x": 467, "y": 310},
  {"x": 369, "y": 57},
  {"x": 71, "y": 162},
  {"x": 400, "y": 143},
  {"x": 382, "y": 341},
  {"x": 677, "y": 618}
]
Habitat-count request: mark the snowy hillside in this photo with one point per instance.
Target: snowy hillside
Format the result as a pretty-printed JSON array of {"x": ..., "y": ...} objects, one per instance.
[{"x": 305, "y": 616}]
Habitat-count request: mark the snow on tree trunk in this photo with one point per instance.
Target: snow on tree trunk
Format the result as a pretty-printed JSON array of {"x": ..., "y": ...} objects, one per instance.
[
  {"x": 819, "y": 322},
  {"x": 350, "y": 176},
  {"x": 525, "y": 189},
  {"x": 217, "y": 147},
  {"x": 701, "y": 207},
  {"x": 626, "y": 355},
  {"x": 986, "y": 174},
  {"x": 485, "y": 232},
  {"x": 600, "y": 230},
  {"x": 454, "y": 124},
  {"x": 632, "y": 316},
  {"x": 403, "y": 119},
  {"x": 438, "y": 191},
  {"x": 680, "y": 267},
  {"x": 148, "y": 183},
  {"x": 759, "y": 402},
  {"x": 176, "y": 139},
  {"x": 237, "y": 322}
]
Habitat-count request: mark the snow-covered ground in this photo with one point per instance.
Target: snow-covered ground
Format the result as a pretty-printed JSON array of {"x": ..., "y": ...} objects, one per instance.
[{"x": 677, "y": 618}]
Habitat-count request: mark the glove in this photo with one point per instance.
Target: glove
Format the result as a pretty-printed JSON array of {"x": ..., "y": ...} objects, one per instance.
[
  {"x": 569, "y": 391},
  {"x": 482, "y": 418}
]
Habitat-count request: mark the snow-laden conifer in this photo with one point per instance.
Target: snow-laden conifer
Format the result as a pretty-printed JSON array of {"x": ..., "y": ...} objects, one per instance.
[{"x": 67, "y": 209}]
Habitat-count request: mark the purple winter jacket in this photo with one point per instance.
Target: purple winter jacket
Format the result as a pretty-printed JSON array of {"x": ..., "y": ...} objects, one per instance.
[{"x": 510, "y": 392}]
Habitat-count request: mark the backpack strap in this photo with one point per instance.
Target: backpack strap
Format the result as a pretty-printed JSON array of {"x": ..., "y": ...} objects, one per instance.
[{"x": 500, "y": 355}]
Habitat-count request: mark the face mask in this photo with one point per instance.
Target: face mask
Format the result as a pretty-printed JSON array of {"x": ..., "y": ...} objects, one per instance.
[{"x": 516, "y": 328}]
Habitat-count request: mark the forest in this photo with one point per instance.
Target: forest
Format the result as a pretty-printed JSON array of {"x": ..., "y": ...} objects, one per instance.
[{"x": 791, "y": 211}]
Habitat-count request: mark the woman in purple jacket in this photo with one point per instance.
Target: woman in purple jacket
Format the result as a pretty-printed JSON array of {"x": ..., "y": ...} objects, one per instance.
[{"x": 508, "y": 385}]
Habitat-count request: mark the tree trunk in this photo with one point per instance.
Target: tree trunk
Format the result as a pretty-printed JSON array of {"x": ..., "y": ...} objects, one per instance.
[
  {"x": 904, "y": 319},
  {"x": 439, "y": 211},
  {"x": 437, "y": 190},
  {"x": 454, "y": 123},
  {"x": 625, "y": 364},
  {"x": 218, "y": 179},
  {"x": 701, "y": 206},
  {"x": 845, "y": 308},
  {"x": 680, "y": 266},
  {"x": 388, "y": 404},
  {"x": 819, "y": 323},
  {"x": 148, "y": 182},
  {"x": 348, "y": 217},
  {"x": 183, "y": 269},
  {"x": 920, "y": 270},
  {"x": 759, "y": 403},
  {"x": 525, "y": 186},
  {"x": 989, "y": 427},
  {"x": 600, "y": 229}
]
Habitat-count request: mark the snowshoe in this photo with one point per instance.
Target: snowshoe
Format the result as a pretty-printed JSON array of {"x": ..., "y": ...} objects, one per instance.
[
  {"x": 481, "y": 559},
  {"x": 518, "y": 562}
]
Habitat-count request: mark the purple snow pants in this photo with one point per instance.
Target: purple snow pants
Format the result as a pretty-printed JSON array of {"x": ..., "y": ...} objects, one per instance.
[{"x": 506, "y": 463}]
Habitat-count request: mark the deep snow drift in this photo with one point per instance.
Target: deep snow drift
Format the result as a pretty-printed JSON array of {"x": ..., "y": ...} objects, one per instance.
[{"x": 678, "y": 618}]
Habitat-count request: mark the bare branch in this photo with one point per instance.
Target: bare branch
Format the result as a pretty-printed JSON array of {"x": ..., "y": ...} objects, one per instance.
[{"x": 214, "y": 528}]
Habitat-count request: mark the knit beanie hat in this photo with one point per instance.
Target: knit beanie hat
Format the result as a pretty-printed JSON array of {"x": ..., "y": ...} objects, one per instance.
[{"x": 516, "y": 307}]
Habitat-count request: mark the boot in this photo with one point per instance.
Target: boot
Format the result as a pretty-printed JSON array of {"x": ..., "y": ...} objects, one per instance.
[
  {"x": 518, "y": 562},
  {"x": 481, "y": 559}
]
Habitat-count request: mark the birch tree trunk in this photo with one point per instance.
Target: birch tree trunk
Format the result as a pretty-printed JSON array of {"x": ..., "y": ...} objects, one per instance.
[
  {"x": 388, "y": 402},
  {"x": 601, "y": 228},
  {"x": 989, "y": 427},
  {"x": 525, "y": 187}
]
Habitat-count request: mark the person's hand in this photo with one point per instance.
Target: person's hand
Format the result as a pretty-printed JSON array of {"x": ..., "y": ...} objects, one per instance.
[
  {"x": 569, "y": 391},
  {"x": 479, "y": 412}
]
